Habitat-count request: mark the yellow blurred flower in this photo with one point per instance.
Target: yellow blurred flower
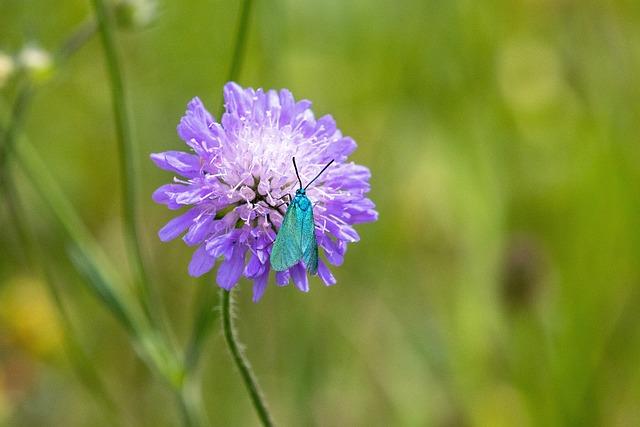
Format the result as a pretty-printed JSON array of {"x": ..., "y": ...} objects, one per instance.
[
  {"x": 28, "y": 317},
  {"x": 5, "y": 404},
  {"x": 501, "y": 406},
  {"x": 530, "y": 74}
]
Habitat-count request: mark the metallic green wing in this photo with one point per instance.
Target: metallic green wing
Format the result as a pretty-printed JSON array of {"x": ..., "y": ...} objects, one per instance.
[
  {"x": 287, "y": 249},
  {"x": 309, "y": 245}
]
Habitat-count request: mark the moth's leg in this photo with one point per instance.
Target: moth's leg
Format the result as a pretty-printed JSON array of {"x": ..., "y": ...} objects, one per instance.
[
  {"x": 268, "y": 244},
  {"x": 285, "y": 202},
  {"x": 277, "y": 207}
]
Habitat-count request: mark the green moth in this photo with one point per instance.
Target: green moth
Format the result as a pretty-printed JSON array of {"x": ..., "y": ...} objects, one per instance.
[{"x": 296, "y": 239}]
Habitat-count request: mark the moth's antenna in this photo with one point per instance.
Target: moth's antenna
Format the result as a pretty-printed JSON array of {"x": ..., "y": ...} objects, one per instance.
[
  {"x": 323, "y": 169},
  {"x": 297, "y": 174}
]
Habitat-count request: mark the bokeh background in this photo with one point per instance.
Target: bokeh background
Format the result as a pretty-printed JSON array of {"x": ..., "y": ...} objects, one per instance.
[{"x": 500, "y": 286}]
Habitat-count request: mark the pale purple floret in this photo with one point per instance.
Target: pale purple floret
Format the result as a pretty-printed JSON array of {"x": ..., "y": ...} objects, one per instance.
[{"x": 239, "y": 170}]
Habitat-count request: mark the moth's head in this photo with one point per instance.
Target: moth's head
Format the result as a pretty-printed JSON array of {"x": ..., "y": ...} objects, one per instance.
[{"x": 300, "y": 192}]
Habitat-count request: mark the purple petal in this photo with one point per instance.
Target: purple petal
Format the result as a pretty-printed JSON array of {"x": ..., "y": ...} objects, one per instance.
[
  {"x": 340, "y": 149},
  {"x": 282, "y": 278},
  {"x": 237, "y": 101},
  {"x": 177, "y": 225},
  {"x": 301, "y": 110},
  {"x": 260, "y": 284},
  {"x": 254, "y": 267},
  {"x": 192, "y": 194},
  {"x": 348, "y": 176},
  {"x": 201, "y": 262},
  {"x": 201, "y": 229},
  {"x": 325, "y": 274},
  {"x": 230, "y": 270},
  {"x": 342, "y": 231},
  {"x": 326, "y": 126},
  {"x": 368, "y": 215},
  {"x": 220, "y": 245},
  {"x": 196, "y": 126},
  {"x": 166, "y": 195},
  {"x": 273, "y": 105},
  {"x": 332, "y": 250},
  {"x": 185, "y": 164},
  {"x": 299, "y": 276},
  {"x": 287, "y": 104},
  {"x": 352, "y": 212}
]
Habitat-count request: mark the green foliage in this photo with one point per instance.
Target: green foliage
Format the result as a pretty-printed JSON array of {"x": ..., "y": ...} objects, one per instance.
[{"x": 499, "y": 287}]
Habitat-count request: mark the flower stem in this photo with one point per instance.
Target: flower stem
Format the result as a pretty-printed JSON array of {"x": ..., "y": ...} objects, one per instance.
[
  {"x": 36, "y": 260},
  {"x": 241, "y": 361},
  {"x": 83, "y": 33},
  {"x": 207, "y": 296},
  {"x": 18, "y": 112},
  {"x": 239, "y": 46},
  {"x": 126, "y": 156},
  {"x": 206, "y": 314},
  {"x": 190, "y": 407}
]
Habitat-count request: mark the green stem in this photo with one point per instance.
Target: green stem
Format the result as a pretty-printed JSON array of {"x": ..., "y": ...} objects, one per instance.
[
  {"x": 80, "y": 361},
  {"x": 85, "y": 369},
  {"x": 71, "y": 45},
  {"x": 207, "y": 296},
  {"x": 16, "y": 117},
  {"x": 126, "y": 156},
  {"x": 18, "y": 112},
  {"x": 241, "y": 361},
  {"x": 239, "y": 45},
  {"x": 191, "y": 407},
  {"x": 76, "y": 40},
  {"x": 206, "y": 314},
  {"x": 36, "y": 171}
]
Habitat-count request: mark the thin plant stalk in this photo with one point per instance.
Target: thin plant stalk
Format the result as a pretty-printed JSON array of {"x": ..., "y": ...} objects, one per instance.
[
  {"x": 191, "y": 406},
  {"x": 241, "y": 362},
  {"x": 206, "y": 314},
  {"x": 18, "y": 216},
  {"x": 239, "y": 44},
  {"x": 126, "y": 158},
  {"x": 192, "y": 415},
  {"x": 89, "y": 258},
  {"x": 207, "y": 298},
  {"x": 226, "y": 300},
  {"x": 85, "y": 369},
  {"x": 71, "y": 45},
  {"x": 101, "y": 276}
]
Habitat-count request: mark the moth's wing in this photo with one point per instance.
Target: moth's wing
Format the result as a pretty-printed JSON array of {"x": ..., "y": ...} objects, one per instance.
[
  {"x": 309, "y": 244},
  {"x": 286, "y": 251}
]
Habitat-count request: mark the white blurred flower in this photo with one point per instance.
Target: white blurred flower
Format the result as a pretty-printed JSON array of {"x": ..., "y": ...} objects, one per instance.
[
  {"x": 36, "y": 61},
  {"x": 7, "y": 67},
  {"x": 135, "y": 14}
]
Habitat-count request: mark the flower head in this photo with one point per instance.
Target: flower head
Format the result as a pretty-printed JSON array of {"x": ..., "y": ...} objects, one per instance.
[
  {"x": 239, "y": 171},
  {"x": 36, "y": 61},
  {"x": 7, "y": 67}
]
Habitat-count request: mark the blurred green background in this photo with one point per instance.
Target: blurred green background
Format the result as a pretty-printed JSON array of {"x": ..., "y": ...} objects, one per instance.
[{"x": 500, "y": 286}]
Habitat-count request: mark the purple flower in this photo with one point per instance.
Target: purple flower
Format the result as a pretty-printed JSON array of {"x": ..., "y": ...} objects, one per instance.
[{"x": 239, "y": 170}]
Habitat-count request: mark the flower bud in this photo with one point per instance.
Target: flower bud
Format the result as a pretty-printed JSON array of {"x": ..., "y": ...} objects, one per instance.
[
  {"x": 7, "y": 67},
  {"x": 135, "y": 14},
  {"x": 36, "y": 62}
]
